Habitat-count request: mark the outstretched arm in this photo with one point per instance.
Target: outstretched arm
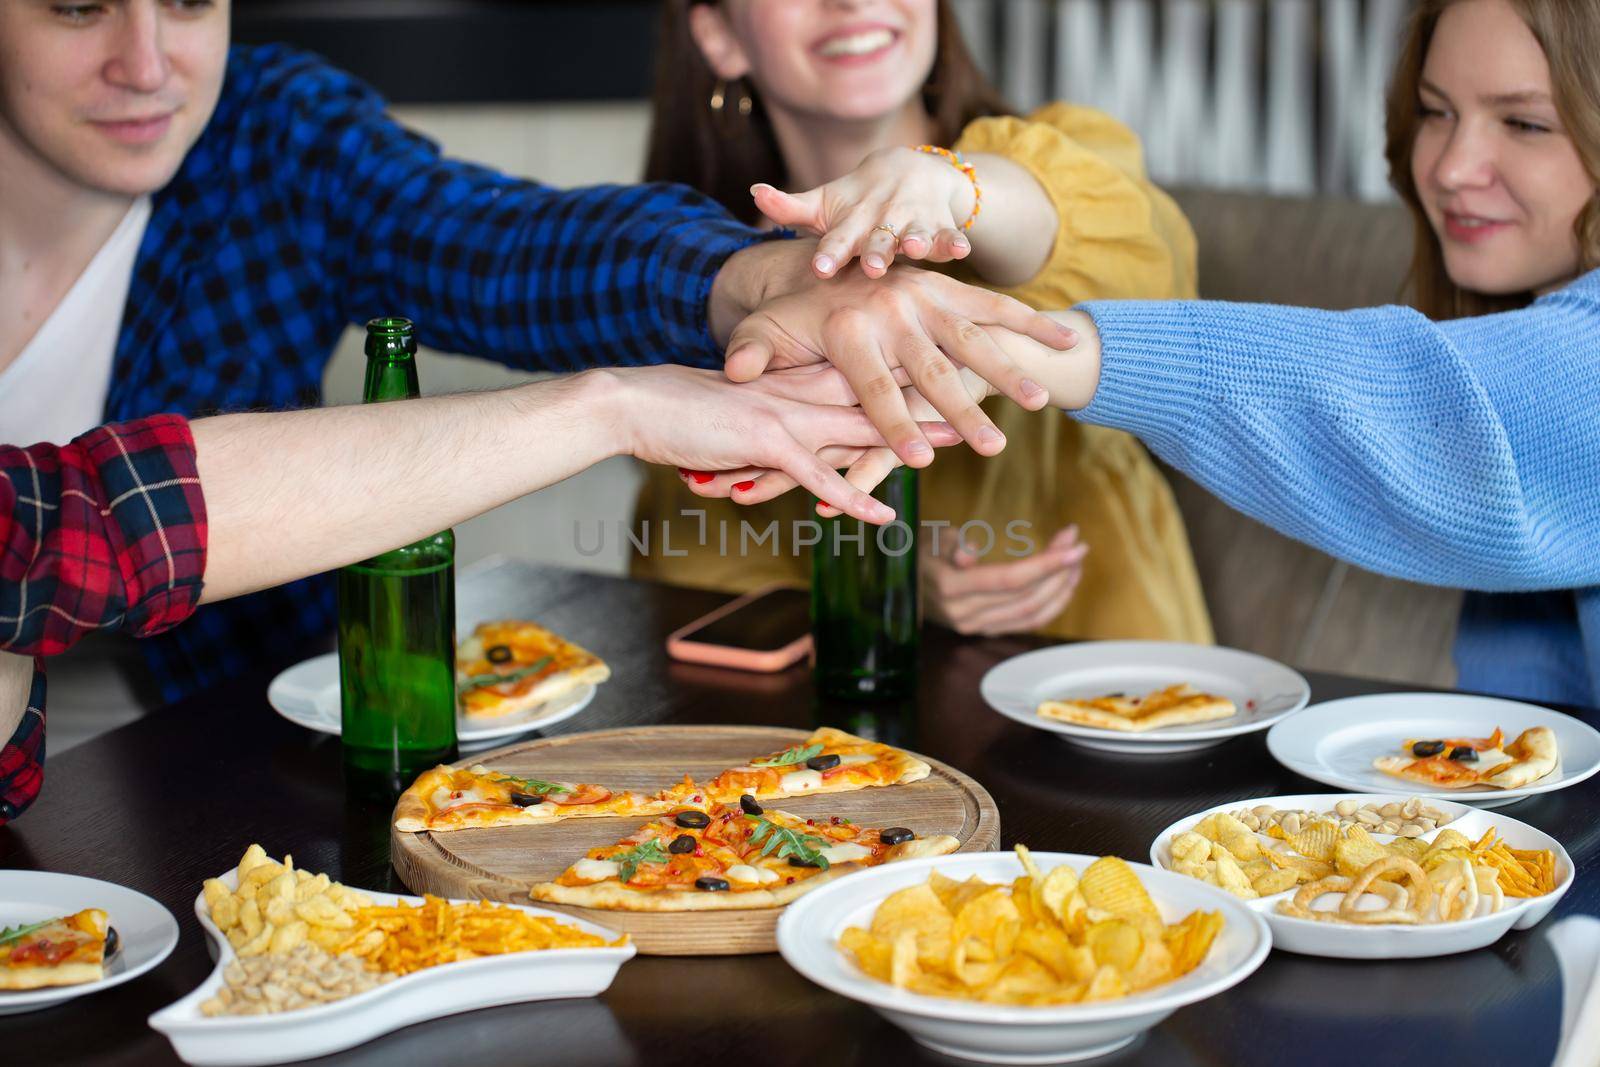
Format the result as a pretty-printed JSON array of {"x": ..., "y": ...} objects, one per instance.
[
  {"x": 1460, "y": 453},
  {"x": 294, "y": 493}
]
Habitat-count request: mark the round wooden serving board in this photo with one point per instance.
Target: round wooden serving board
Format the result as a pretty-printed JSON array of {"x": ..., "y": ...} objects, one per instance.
[{"x": 500, "y": 863}]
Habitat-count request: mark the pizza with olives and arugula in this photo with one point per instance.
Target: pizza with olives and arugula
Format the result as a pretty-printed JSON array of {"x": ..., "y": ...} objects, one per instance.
[
  {"x": 511, "y": 666},
  {"x": 728, "y": 857},
  {"x": 67, "y": 951},
  {"x": 829, "y": 761}
]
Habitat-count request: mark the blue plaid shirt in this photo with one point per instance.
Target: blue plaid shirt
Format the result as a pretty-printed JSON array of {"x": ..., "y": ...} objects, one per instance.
[{"x": 305, "y": 207}]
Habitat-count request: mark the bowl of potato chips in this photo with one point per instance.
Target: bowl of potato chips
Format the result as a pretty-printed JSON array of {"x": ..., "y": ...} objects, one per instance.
[{"x": 1025, "y": 957}]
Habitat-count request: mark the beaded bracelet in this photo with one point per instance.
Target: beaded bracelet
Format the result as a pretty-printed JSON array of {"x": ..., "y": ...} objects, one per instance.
[{"x": 955, "y": 160}]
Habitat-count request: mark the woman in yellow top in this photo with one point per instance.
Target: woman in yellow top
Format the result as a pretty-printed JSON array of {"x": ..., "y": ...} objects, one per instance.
[{"x": 829, "y": 95}]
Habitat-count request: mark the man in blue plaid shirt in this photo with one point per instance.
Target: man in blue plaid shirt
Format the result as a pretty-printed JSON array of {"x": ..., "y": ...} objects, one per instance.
[{"x": 187, "y": 227}]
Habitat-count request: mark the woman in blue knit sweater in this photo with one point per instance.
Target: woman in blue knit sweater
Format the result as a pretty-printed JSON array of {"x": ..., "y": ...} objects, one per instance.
[{"x": 1456, "y": 444}]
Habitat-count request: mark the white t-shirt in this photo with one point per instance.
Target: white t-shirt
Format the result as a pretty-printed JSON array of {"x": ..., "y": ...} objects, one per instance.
[{"x": 56, "y": 388}]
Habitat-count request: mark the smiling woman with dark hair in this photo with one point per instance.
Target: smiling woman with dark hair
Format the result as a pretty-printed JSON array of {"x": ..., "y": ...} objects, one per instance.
[{"x": 801, "y": 93}]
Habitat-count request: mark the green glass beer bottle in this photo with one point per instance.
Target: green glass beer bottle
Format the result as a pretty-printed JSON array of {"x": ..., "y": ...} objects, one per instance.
[
  {"x": 397, "y": 620},
  {"x": 864, "y": 607}
]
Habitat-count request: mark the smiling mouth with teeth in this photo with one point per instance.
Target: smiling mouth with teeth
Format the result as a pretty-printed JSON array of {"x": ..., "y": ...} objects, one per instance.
[{"x": 857, "y": 44}]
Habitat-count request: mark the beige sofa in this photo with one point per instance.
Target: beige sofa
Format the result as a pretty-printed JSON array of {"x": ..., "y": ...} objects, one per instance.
[{"x": 1267, "y": 593}]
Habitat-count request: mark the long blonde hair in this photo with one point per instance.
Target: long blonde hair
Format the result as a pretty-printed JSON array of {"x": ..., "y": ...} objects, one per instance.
[{"x": 1569, "y": 33}]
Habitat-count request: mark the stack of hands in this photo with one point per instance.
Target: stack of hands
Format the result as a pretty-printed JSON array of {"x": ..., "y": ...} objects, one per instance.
[{"x": 832, "y": 369}]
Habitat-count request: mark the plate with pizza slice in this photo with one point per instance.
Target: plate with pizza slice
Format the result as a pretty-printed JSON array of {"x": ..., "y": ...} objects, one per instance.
[
  {"x": 63, "y": 936},
  {"x": 1144, "y": 697},
  {"x": 512, "y": 676},
  {"x": 1483, "y": 751}
]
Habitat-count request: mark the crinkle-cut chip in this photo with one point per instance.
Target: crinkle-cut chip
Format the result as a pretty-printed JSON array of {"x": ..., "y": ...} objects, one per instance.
[
  {"x": 1412, "y": 848},
  {"x": 1231, "y": 834},
  {"x": 1189, "y": 847},
  {"x": 903, "y": 968},
  {"x": 1308, "y": 870},
  {"x": 1274, "y": 881},
  {"x": 1233, "y": 879},
  {"x": 1107, "y": 984},
  {"x": 1450, "y": 837},
  {"x": 1110, "y": 884},
  {"x": 1051, "y": 946},
  {"x": 1434, "y": 857},
  {"x": 1153, "y": 967},
  {"x": 1115, "y": 942},
  {"x": 1056, "y": 888},
  {"x": 953, "y": 894},
  {"x": 1316, "y": 841},
  {"x": 1357, "y": 851},
  {"x": 1276, "y": 831},
  {"x": 1191, "y": 939},
  {"x": 916, "y": 908},
  {"x": 991, "y": 917}
]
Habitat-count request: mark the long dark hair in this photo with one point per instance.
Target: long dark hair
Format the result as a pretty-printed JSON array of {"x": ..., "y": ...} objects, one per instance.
[
  {"x": 723, "y": 153},
  {"x": 1570, "y": 36}
]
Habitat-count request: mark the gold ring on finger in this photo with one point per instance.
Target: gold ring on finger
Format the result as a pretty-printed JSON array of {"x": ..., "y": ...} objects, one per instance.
[{"x": 889, "y": 230}]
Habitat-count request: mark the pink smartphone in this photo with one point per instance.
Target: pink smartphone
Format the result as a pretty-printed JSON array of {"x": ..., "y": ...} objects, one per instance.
[{"x": 764, "y": 630}]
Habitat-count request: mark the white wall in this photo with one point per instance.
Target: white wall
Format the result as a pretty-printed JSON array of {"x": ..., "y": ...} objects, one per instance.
[{"x": 563, "y": 145}]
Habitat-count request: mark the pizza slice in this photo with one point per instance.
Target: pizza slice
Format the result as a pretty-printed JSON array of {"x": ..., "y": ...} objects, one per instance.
[
  {"x": 1469, "y": 762},
  {"x": 729, "y": 857},
  {"x": 65, "y": 951},
  {"x": 829, "y": 761},
  {"x": 463, "y": 798},
  {"x": 508, "y": 667},
  {"x": 1176, "y": 705}
]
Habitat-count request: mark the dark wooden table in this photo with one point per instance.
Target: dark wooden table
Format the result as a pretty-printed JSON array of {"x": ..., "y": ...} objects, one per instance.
[{"x": 167, "y": 801}]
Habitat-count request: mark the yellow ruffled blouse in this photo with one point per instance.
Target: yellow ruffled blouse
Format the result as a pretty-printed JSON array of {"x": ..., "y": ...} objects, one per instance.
[{"x": 1119, "y": 237}]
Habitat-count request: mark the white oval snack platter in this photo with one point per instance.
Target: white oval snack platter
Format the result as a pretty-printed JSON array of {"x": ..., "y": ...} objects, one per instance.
[
  {"x": 1354, "y": 941},
  {"x": 808, "y": 936},
  {"x": 147, "y": 931},
  {"x": 307, "y": 694},
  {"x": 447, "y": 989},
  {"x": 1264, "y": 690},
  {"x": 1336, "y": 742}
]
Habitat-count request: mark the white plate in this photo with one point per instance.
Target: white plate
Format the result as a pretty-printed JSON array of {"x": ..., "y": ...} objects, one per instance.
[
  {"x": 307, "y": 694},
  {"x": 1352, "y": 942},
  {"x": 147, "y": 931},
  {"x": 447, "y": 989},
  {"x": 1264, "y": 690},
  {"x": 808, "y": 936},
  {"x": 1335, "y": 743}
]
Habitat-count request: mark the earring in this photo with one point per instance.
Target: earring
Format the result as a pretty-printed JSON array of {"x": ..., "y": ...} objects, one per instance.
[{"x": 719, "y": 98}]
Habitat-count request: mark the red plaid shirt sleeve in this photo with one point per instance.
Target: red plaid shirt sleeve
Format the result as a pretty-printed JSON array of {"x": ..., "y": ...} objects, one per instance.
[{"x": 108, "y": 532}]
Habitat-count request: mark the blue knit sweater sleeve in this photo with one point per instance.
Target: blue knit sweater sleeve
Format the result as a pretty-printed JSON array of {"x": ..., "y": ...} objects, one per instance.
[{"x": 1463, "y": 453}]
